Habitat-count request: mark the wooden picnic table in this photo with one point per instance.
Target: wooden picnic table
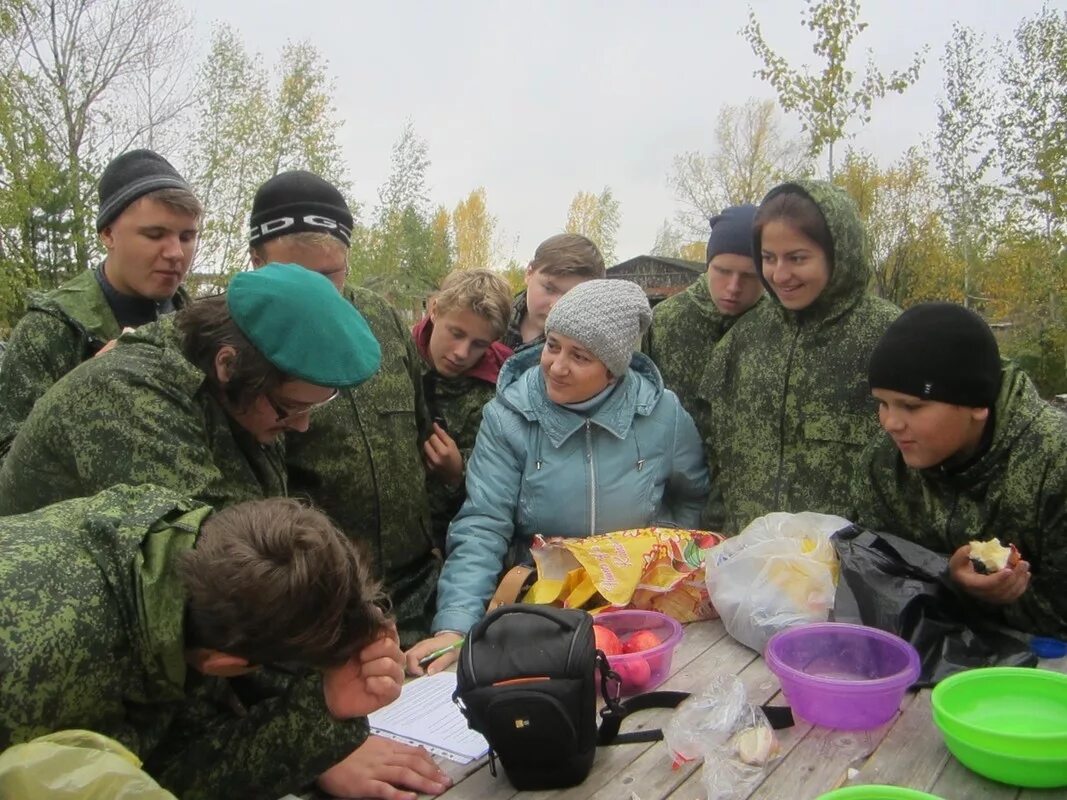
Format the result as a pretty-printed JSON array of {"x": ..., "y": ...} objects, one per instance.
[{"x": 907, "y": 751}]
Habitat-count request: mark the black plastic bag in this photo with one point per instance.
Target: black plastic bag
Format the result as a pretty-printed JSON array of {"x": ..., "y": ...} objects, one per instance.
[{"x": 898, "y": 586}]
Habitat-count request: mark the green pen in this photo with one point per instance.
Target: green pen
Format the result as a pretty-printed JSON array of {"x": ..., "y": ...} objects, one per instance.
[{"x": 436, "y": 654}]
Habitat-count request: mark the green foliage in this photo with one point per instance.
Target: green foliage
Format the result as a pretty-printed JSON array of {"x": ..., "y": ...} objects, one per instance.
[
  {"x": 1032, "y": 127},
  {"x": 828, "y": 100},
  {"x": 249, "y": 131},
  {"x": 406, "y": 252}
]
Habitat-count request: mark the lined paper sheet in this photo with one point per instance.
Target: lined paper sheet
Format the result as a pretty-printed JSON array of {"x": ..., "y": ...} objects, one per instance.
[{"x": 425, "y": 715}]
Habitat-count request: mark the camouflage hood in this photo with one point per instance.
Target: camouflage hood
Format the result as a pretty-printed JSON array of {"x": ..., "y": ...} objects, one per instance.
[
  {"x": 850, "y": 262},
  {"x": 143, "y": 542}
]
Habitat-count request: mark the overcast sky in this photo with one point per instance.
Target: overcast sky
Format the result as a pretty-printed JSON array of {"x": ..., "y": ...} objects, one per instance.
[{"x": 537, "y": 100}]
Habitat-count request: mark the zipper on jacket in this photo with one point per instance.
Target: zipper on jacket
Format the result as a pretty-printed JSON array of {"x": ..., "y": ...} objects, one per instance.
[
  {"x": 781, "y": 420},
  {"x": 592, "y": 476}
]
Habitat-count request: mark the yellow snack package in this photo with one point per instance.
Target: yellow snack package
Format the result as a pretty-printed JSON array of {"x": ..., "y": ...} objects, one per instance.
[{"x": 660, "y": 569}]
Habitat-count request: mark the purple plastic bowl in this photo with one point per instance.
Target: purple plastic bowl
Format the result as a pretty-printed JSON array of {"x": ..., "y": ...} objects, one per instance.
[
  {"x": 645, "y": 670},
  {"x": 842, "y": 676}
]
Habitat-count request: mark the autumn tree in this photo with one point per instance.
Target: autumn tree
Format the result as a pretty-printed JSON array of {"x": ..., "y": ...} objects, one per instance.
[
  {"x": 596, "y": 216},
  {"x": 828, "y": 100},
  {"x": 750, "y": 154},
  {"x": 965, "y": 151},
  {"x": 473, "y": 231},
  {"x": 908, "y": 243},
  {"x": 72, "y": 70},
  {"x": 407, "y": 250},
  {"x": 1032, "y": 126},
  {"x": 250, "y": 128}
]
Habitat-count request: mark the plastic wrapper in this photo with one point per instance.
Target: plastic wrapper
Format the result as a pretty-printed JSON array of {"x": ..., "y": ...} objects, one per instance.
[
  {"x": 75, "y": 765},
  {"x": 732, "y": 735},
  {"x": 652, "y": 569},
  {"x": 901, "y": 587},
  {"x": 780, "y": 571}
]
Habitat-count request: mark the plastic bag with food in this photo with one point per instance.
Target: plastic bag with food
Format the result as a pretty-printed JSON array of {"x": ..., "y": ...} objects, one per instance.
[
  {"x": 733, "y": 736},
  {"x": 780, "y": 571}
]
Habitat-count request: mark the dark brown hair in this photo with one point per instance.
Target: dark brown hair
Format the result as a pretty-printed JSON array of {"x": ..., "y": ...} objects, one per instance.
[
  {"x": 273, "y": 581},
  {"x": 568, "y": 254},
  {"x": 206, "y": 326},
  {"x": 792, "y": 205}
]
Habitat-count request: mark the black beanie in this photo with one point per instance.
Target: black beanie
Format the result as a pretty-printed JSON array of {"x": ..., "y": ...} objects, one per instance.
[
  {"x": 731, "y": 231},
  {"x": 295, "y": 202},
  {"x": 132, "y": 175},
  {"x": 939, "y": 351}
]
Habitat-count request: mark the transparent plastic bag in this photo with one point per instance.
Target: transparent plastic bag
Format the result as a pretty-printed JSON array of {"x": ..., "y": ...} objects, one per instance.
[
  {"x": 780, "y": 571},
  {"x": 733, "y": 736}
]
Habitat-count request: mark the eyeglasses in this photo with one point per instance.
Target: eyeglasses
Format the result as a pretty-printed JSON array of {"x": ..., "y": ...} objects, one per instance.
[{"x": 289, "y": 414}]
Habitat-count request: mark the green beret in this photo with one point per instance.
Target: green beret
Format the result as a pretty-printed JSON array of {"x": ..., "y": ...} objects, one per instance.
[{"x": 303, "y": 326}]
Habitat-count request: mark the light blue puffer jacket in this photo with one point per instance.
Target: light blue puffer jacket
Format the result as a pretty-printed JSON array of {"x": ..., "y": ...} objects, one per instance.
[{"x": 538, "y": 467}]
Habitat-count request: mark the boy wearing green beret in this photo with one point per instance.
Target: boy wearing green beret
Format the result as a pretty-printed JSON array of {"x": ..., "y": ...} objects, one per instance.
[
  {"x": 362, "y": 461},
  {"x": 195, "y": 402}
]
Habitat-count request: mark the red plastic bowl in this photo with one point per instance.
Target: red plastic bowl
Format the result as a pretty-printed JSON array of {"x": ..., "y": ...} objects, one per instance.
[
  {"x": 647, "y": 669},
  {"x": 842, "y": 676}
]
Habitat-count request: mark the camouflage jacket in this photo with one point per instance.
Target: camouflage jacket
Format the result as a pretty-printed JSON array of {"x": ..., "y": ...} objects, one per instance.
[
  {"x": 92, "y": 612},
  {"x": 59, "y": 331},
  {"x": 141, "y": 414},
  {"x": 783, "y": 405},
  {"x": 459, "y": 402},
  {"x": 1016, "y": 491},
  {"x": 685, "y": 328},
  {"x": 361, "y": 462}
]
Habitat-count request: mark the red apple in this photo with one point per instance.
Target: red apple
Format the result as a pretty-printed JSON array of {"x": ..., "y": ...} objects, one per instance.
[
  {"x": 607, "y": 641},
  {"x": 640, "y": 641},
  {"x": 635, "y": 674}
]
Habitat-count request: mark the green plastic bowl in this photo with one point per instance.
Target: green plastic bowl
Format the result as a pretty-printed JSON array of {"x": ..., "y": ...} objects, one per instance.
[
  {"x": 1006, "y": 711},
  {"x": 876, "y": 792},
  {"x": 1008, "y": 723},
  {"x": 1015, "y": 770}
]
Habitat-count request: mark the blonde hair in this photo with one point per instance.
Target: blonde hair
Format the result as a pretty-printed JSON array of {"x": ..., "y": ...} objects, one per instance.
[
  {"x": 482, "y": 291},
  {"x": 310, "y": 240},
  {"x": 568, "y": 254}
]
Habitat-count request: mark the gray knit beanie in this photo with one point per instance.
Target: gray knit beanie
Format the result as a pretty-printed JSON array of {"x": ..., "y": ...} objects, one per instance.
[
  {"x": 131, "y": 176},
  {"x": 607, "y": 316}
]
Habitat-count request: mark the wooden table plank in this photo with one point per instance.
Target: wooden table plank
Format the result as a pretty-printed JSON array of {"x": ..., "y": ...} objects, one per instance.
[
  {"x": 650, "y": 776},
  {"x": 821, "y": 760},
  {"x": 912, "y": 754},
  {"x": 956, "y": 782}
]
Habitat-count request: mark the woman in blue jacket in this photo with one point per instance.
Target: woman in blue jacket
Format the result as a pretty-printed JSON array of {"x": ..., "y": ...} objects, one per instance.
[{"x": 580, "y": 439}]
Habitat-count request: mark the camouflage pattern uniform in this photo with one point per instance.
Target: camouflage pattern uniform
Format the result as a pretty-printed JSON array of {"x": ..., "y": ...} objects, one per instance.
[
  {"x": 59, "y": 331},
  {"x": 1015, "y": 491},
  {"x": 141, "y": 414},
  {"x": 92, "y": 613},
  {"x": 784, "y": 406},
  {"x": 685, "y": 328},
  {"x": 458, "y": 402},
  {"x": 361, "y": 462}
]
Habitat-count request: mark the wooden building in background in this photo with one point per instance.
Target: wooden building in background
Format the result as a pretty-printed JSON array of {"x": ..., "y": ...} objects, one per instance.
[{"x": 660, "y": 277}]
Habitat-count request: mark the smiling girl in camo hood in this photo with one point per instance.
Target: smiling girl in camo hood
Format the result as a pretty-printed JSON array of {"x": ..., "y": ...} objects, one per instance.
[{"x": 785, "y": 409}]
